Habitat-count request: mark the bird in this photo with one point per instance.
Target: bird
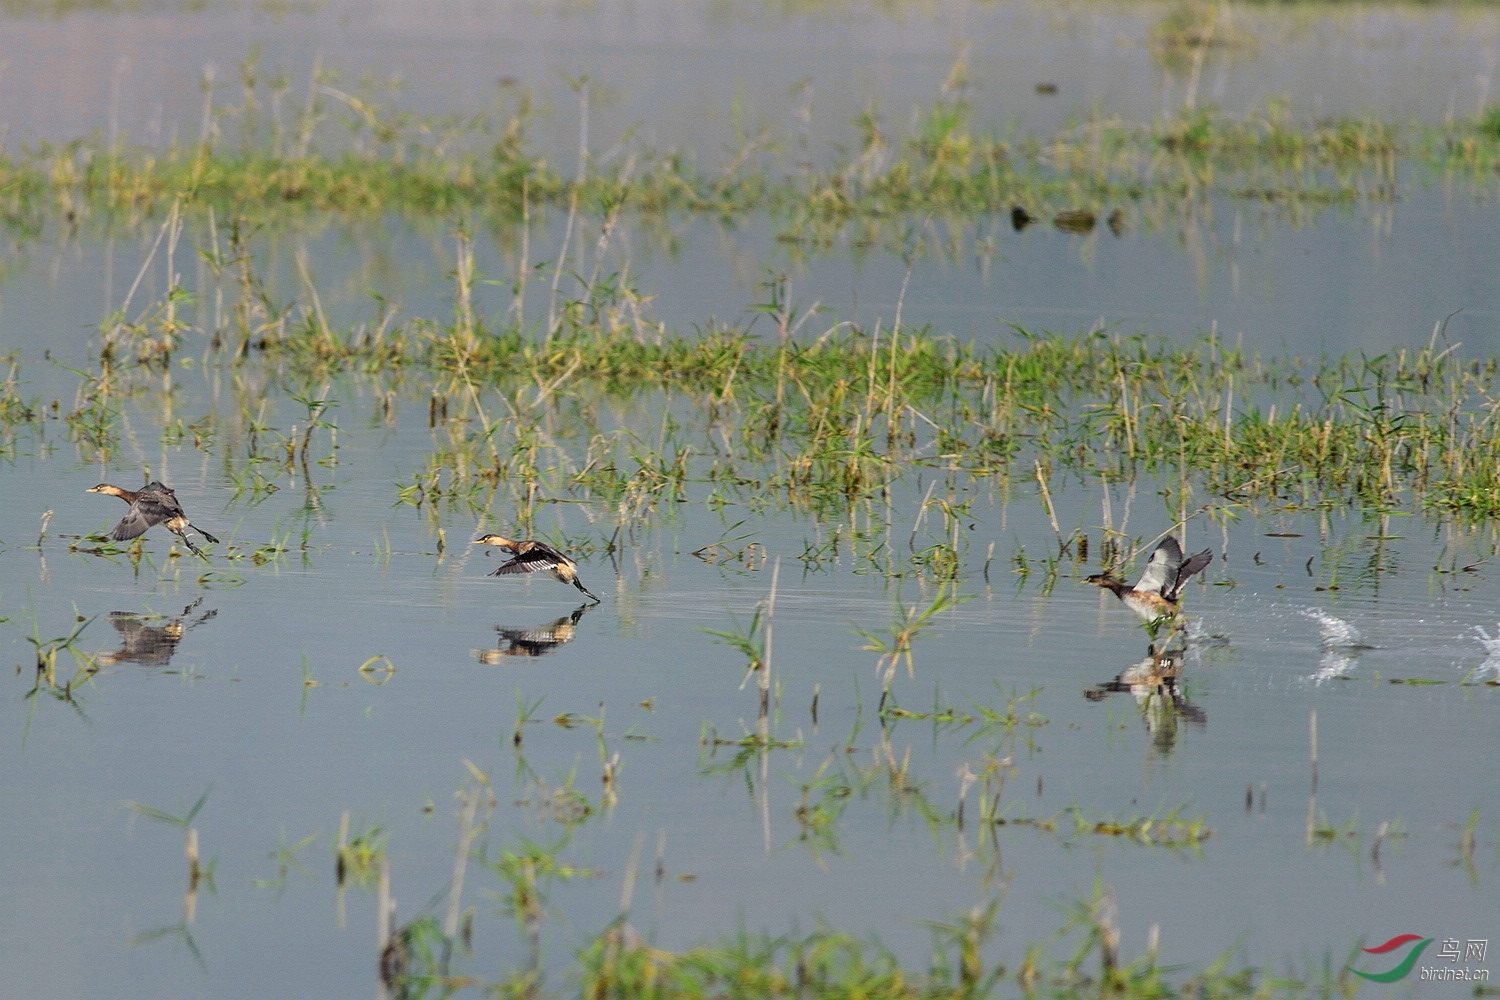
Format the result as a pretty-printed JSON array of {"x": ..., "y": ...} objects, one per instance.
[
  {"x": 1155, "y": 595},
  {"x": 151, "y": 505},
  {"x": 534, "y": 557}
]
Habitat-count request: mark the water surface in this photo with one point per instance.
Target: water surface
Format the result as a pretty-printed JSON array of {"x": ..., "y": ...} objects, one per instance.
[{"x": 251, "y": 688}]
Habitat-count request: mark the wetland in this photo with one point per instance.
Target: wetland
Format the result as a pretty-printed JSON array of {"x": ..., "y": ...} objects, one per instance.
[{"x": 838, "y": 352}]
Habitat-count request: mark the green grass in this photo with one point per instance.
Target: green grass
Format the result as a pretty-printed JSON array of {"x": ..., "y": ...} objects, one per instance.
[
  {"x": 446, "y": 949},
  {"x": 828, "y": 420},
  {"x": 359, "y": 155},
  {"x": 598, "y": 404},
  {"x": 822, "y": 423}
]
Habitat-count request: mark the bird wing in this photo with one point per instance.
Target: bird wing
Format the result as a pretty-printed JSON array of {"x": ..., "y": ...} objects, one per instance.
[
  {"x": 1192, "y": 564},
  {"x": 160, "y": 504},
  {"x": 132, "y": 525},
  {"x": 526, "y": 563},
  {"x": 1161, "y": 570}
]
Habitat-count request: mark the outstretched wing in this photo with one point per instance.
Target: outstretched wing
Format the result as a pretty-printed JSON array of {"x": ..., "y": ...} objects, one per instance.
[
  {"x": 1161, "y": 570},
  {"x": 527, "y": 563},
  {"x": 1192, "y": 564},
  {"x": 132, "y": 525}
]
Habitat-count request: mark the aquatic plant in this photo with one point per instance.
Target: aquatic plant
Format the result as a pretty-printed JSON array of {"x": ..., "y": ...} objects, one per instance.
[
  {"x": 435, "y": 952},
  {"x": 359, "y": 154}
]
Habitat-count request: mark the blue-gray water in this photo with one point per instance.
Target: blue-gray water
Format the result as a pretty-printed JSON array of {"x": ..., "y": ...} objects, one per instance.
[
  {"x": 261, "y": 703},
  {"x": 231, "y": 712}
]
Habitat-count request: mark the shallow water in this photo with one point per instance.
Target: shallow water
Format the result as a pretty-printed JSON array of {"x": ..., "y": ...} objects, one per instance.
[
  {"x": 251, "y": 690},
  {"x": 229, "y": 712},
  {"x": 1302, "y": 280}
]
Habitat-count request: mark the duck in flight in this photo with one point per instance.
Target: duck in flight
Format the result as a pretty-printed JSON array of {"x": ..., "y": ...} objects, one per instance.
[
  {"x": 151, "y": 505},
  {"x": 1156, "y": 594},
  {"x": 536, "y": 557}
]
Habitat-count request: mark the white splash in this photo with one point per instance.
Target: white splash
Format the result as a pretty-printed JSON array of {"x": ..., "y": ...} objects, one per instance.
[
  {"x": 1491, "y": 664},
  {"x": 1341, "y": 645}
]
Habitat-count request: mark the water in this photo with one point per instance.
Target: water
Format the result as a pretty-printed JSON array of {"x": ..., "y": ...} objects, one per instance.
[
  {"x": 251, "y": 691},
  {"x": 231, "y": 714}
]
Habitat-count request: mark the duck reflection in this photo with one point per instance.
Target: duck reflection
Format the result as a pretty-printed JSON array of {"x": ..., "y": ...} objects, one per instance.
[
  {"x": 150, "y": 640},
  {"x": 1154, "y": 684},
  {"x": 537, "y": 640}
]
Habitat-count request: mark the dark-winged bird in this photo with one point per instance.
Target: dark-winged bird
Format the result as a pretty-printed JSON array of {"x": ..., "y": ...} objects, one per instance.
[
  {"x": 151, "y": 505},
  {"x": 536, "y": 557},
  {"x": 1156, "y": 594}
]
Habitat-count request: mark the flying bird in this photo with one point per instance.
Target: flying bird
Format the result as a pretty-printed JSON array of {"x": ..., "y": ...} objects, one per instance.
[
  {"x": 151, "y": 505},
  {"x": 1156, "y": 594},
  {"x": 536, "y": 557}
]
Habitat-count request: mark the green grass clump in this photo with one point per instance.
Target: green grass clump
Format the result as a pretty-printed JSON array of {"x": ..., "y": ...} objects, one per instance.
[{"x": 852, "y": 410}]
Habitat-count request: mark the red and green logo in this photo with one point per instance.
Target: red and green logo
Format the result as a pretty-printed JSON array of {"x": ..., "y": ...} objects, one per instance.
[{"x": 1404, "y": 966}]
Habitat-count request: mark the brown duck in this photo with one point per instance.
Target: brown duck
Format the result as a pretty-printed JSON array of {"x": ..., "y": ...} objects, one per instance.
[
  {"x": 536, "y": 557},
  {"x": 151, "y": 505},
  {"x": 1155, "y": 595}
]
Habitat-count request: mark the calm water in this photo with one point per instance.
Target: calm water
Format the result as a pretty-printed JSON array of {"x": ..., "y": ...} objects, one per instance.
[{"x": 217, "y": 700}]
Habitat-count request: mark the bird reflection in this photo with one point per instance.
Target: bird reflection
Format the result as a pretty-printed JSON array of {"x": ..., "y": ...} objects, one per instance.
[
  {"x": 1153, "y": 683},
  {"x": 150, "y": 640},
  {"x": 538, "y": 640}
]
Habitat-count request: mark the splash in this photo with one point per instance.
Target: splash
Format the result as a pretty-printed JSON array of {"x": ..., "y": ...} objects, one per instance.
[
  {"x": 1491, "y": 664},
  {"x": 1340, "y": 645}
]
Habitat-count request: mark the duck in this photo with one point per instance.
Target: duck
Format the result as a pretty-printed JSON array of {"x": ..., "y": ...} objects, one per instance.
[
  {"x": 1156, "y": 594},
  {"x": 531, "y": 556},
  {"x": 153, "y": 504}
]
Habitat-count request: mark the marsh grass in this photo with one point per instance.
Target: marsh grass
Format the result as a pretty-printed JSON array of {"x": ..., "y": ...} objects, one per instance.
[
  {"x": 48, "y": 650},
  {"x": 434, "y": 952},
  {"x": 821, "y": 420},
  {"x": 358, "y": 854},
  {"x": 829, "y": 423},
  {"x": 264, "y": 156},
  {"x": 200, "y": 876}
]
